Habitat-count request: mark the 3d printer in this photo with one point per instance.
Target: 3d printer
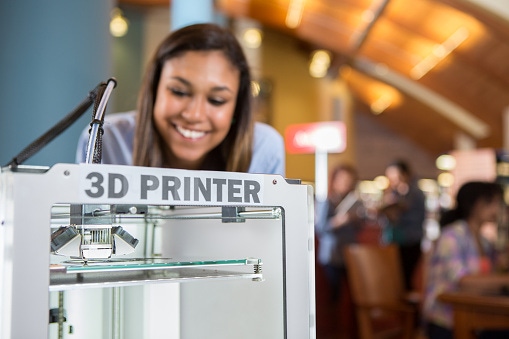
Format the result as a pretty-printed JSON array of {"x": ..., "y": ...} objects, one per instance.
[{"x": 135, "y": 252}]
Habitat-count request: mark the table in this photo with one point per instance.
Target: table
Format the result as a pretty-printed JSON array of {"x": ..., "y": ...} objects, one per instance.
[{"x": 477, "y": 310}]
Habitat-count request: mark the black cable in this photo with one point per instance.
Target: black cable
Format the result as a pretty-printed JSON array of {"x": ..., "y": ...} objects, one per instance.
[{"x": 61, "y": 126}]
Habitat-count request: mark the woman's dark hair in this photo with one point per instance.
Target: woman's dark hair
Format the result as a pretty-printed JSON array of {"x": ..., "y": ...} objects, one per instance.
[
  {"x": 402, "y": 166},
  {"x": 234, "y": 152},
  {"x": 466, "y": 198}
]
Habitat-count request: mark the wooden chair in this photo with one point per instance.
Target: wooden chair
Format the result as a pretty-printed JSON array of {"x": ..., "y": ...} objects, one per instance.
[{"x": 376, "y": 283}]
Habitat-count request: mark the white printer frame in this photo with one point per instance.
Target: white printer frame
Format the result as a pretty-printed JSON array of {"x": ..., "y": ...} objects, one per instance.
[{"x": 28, "y": 194}]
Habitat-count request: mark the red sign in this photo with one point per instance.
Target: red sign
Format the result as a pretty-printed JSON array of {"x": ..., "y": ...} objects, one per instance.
[{"x": 327, "y": 136}]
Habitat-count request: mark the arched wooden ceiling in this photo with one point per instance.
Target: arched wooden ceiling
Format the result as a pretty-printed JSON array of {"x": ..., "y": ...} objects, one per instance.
[{"x": 462, "y": 87}]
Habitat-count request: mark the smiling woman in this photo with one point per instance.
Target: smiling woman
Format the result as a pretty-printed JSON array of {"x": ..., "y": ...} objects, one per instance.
[
  {"x": 194, "y": 111},
  {"x": 194, "y": 105}
]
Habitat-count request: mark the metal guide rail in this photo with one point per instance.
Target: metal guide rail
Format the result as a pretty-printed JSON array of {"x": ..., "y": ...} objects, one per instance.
[{"x": 73, "y": 274}]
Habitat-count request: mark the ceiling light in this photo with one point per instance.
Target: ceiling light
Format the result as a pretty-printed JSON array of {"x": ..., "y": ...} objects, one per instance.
[
  {"x": 255, "y": 88},
  {"x": 294, "y": 14},
  {"x": 428, "y": 185},
  {"x": 440, "y": 52},
  {"x": 381, "y": 104},
  {"x": 368, "y": 187},
  {"x": 320, "y": 62},
  {"x": 118, "y": 24},
  {"x": 446, "y": 162},
  {"x": 445, "y": 179},
  {"x": 381, "y": 182},
  {"x": 252, "y": 37}
]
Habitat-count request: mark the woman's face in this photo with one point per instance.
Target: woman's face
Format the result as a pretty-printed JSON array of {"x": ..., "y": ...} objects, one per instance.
[
  {"x": 489, "y": 211},
  {"x": 194, "y": 107},
  {"x": 394, "y": 176},
  {"x": 343, "y": 183}
]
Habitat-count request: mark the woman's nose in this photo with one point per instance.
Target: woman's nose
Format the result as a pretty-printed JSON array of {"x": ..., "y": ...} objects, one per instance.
[{"x": 195, "y": 109}]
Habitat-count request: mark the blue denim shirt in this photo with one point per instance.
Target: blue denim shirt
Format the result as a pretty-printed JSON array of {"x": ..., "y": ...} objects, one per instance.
[{"x": 268, "y": 145}]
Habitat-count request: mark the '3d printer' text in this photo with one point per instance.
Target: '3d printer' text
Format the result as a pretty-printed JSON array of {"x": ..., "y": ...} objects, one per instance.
[{"x": 173, "y": 188}]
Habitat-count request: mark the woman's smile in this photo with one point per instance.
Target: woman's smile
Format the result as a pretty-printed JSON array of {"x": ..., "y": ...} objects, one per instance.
[{"x": 189, "y": 133}]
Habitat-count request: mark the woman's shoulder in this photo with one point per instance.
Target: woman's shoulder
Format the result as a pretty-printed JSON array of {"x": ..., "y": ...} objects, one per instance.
[
  {"x": 455, "y": 231},
  {"x": 268, "y": 150},
  {"x": 262, "y": 130},
  {"x": 117, "y": 141},
  {"x": 123, "y": 120},
  {"x": 455, "y": 238},
  {"x": 267, "y": 137}
]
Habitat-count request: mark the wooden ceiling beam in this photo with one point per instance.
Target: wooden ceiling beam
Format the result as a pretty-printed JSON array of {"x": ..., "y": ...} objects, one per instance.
[
  {"x": 493, "y": 21},
  {"x": 363, "y": 35},
  {"x": 463, "y": 119}
]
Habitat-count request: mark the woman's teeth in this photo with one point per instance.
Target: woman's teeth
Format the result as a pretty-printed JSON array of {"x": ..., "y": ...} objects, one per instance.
[{"x": 190, "y": 134}]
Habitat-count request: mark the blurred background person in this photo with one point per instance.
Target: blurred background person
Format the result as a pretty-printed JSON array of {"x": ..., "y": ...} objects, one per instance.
[
  {"x": 339, "y": 220},
  {"x": 403, "y": 213},
  {"x": 461, "y": 254}
]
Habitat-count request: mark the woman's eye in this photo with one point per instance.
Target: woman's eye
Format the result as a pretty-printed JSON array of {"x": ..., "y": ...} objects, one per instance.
[
  {"x": 217, "y": 102},
  {"x": 178, "y": 92}
]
